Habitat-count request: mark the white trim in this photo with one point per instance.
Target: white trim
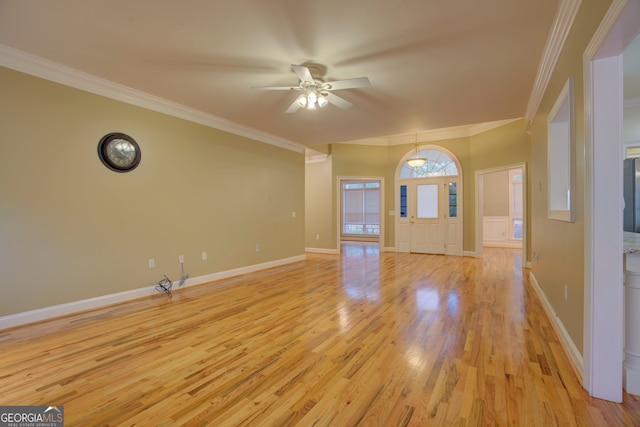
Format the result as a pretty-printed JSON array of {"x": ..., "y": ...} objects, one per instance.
[
  {"x": 562, "y": 23},
  {"x": 48, "y": 70},
  {"x": 46, "y": 313},
  {"x": 603, "y": 266},
  {"x": 322, "y": 251},
  {"x": 389, "y": 249},
  {"x": 502, "y": 244},
  {"x": 319, "y": 158},
  {"x": 565, "y": 339},
  {"x": 601, "y": 44},
  {"x": 604, "y": 303},
  {"x": 463, "y": 131}
]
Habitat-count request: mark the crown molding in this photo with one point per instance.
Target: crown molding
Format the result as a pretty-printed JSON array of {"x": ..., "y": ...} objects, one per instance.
[
  {"x": 39, "y": 67},
  {"x": 463, "y": 131},
  {"x": 316, "y": 159},
  {"x": 603, "y": 43},
  {"x": 562, "y": 23}
]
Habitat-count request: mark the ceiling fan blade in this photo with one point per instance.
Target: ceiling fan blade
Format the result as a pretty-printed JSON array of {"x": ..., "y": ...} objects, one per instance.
[
  {"x": 348, "y": 83},
  {"x": 303, "y": 73},
  {"x": 276, "y": 87},
  {"x": 293, "y": 107},
  {"x": 338, "y": 102}
]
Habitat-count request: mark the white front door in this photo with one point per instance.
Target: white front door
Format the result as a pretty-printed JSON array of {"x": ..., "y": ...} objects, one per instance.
[
  {"x": 429, "y": 222},
  {"x": 427, "y": 225}
]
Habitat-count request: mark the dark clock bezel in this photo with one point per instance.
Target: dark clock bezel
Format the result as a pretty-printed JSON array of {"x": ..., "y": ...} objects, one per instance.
[{"x": 103, "y": 145}]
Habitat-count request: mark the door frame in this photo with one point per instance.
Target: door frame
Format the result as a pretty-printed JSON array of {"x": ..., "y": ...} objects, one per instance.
[
  {"x": 603, "y": 242},
  {"x": 460, "y": 190},
  {"x": 480, "y": 214},
  {"x": 339, "y": 180}
]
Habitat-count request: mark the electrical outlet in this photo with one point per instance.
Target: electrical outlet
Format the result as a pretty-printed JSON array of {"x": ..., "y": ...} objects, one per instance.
[
  {"x": 293, "y": 214},
  {"x": 566, "y": 292},
  {"x": 204, "y": 256},
  {"x": 317, "y": 237},
  {"x": 181, "y": 259},
  {"x": 258, "y": 247},
  {"x": 152, "y": 263}
]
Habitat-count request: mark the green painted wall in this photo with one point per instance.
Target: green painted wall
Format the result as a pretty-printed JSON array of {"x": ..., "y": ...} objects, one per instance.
[
  {"x": 500, "y": 147},
  {"x": 560, "y": 245},
  {"x": 71, "y": 229},
  {"x": 318, "y": 209}
]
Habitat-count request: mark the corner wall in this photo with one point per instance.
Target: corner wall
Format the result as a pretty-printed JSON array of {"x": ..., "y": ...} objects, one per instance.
[
  {"x": 71, "y": 229},
  {"x": 560, "y": 245}
]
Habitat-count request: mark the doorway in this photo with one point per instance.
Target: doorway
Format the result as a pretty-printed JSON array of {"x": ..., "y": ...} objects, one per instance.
[
  {"x": 429, "y": 205},
  {"x": 502, "y": 207},
  {"x": 514, "y": 221},
  {"x": 603, "y": 258}
]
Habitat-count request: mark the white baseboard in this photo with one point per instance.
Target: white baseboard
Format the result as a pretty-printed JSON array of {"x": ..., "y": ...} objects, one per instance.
[
  {"x": 470, "y": 253},
  {"x": 45, "y": 313},
  {"x": 389, "y": 249},
  {"x": 575, "y": 357},
  {"x": 502, "y": 244},
  {"x": 322, "y": 251}
]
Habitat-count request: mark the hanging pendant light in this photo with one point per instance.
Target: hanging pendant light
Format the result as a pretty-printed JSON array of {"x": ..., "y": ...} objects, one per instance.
[{"x": 416, "y": 161}]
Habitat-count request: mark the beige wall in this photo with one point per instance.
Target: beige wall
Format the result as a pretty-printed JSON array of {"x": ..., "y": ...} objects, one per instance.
[
  {"x": 496, "y": 194},
  {"x": 71, "y": 229},
  {"x": 500, "y": 147},
  {"x": 560, "y": 244},
  {"x": 318, "y": 212}
]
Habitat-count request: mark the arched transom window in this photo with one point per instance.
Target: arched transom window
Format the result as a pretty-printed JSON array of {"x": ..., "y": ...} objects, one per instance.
[{"x": 437, "y": 164}]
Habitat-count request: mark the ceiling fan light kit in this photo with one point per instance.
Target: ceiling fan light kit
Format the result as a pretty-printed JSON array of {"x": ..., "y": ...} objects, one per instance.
[
  {"x": 311, "y": 99},
  {"x": 316, "y": 92}
]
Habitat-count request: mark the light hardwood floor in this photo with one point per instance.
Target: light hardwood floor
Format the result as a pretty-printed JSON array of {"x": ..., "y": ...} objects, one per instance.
[{"x": 358, "y": 339}]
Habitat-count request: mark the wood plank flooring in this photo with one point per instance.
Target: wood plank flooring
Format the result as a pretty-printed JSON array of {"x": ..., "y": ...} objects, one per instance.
[{"x": 360, "y": 339}]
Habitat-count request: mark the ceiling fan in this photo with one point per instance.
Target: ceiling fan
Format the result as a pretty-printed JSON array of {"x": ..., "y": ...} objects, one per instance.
[{"x": 315, "y": 92}]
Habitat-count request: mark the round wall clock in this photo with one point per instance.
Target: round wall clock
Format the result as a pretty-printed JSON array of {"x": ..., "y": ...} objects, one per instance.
[{"x": 119, "y": 152}]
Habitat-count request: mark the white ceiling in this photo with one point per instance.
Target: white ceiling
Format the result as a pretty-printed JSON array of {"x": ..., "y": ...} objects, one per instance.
[{"x": 432, "y": 64}]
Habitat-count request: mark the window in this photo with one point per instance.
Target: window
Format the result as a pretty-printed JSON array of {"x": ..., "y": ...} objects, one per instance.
[
  {"x": 361, "y": 207},
  {"x": 560, "y": 156},
  {"x": 437, "y": 164},
  {"x": 403, "y": 201},
  {"x": 516, "y": 203},
  {"x": 427, "y": 201},
  {"x": 453, "y": 200}
]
